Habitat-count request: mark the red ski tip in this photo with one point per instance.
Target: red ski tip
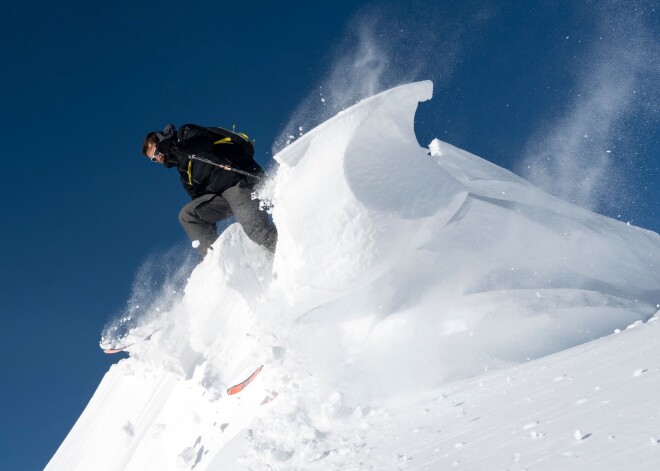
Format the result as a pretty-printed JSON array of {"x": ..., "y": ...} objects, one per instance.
[
  {"x": 110, "y": 351},
  {"x": 240, "y": 386}
]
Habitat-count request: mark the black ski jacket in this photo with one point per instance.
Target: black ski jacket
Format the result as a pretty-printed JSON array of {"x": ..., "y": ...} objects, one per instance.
[{"x": 214, "y": 144}]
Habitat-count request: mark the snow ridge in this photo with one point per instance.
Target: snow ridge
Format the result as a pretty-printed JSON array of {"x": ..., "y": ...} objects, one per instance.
[{"x": 402, "y": 274}]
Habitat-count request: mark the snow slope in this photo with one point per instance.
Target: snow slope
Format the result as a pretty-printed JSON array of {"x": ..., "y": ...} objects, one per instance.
[{"x": 402, "y": 276}]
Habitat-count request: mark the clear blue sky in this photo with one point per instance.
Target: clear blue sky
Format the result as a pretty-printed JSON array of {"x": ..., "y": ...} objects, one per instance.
[{"x": 83, "y": 82}]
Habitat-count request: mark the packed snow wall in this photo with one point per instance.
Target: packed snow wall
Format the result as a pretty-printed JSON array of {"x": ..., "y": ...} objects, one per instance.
[
  {"x": 397, "y": 268},
  {"x": 433, "y": 264}
]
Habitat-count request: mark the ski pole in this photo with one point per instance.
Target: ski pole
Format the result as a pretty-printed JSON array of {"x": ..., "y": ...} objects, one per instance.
[{"x": 224, "y": 167}]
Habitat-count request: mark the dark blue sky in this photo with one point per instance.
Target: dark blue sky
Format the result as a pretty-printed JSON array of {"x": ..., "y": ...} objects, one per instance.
[{"x": 553, "y": 90}]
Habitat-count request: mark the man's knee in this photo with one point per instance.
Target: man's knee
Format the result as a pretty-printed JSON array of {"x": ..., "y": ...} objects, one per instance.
[
  {"x": 183, "y": 215},
  {"x": 255, "y": 222},
  {"x": 187, "y": 215}
]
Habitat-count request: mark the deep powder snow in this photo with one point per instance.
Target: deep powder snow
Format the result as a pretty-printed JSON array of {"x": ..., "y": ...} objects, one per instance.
[{"x": 399, "y": 271}]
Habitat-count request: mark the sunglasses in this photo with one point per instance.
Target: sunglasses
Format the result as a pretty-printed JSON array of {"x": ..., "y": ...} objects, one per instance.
[{"x": 155, "y": 156}]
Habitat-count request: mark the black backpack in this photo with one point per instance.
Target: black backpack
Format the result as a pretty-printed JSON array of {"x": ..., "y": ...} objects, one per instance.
[{"x": 243, "y": 155}]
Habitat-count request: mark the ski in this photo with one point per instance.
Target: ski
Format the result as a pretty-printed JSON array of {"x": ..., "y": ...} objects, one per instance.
[
  {"x": 235, "y": 389},
  {"x": 115, "y": 349},
  {"x": 111, "y": 351}
]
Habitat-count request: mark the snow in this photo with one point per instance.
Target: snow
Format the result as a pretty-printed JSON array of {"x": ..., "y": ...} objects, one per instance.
[{"x": 425, "y": 309}]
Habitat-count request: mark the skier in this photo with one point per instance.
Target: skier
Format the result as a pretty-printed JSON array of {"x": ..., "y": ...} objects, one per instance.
[{"x": 217, "y": 193}]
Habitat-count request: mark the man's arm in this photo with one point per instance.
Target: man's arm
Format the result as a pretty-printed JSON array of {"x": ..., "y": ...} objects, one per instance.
[
  {"x": 190, "y": 139},
  {"x": 194, "y": 139}
]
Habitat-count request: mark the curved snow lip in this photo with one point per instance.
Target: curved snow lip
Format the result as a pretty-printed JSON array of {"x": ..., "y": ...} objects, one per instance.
[
  {"x": 410, "y": 93},
  {"x": 349, "y": 195}
]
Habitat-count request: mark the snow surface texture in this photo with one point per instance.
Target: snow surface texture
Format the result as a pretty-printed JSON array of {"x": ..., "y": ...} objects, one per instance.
[{"x": 402, "y": 275}]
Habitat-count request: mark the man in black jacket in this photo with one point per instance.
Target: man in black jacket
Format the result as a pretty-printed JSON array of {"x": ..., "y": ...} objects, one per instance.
[{"x": 217, "y": 193}]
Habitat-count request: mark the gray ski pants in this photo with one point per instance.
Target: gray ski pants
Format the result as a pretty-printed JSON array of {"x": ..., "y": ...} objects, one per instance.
[{"x": 198, "y": 217}]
